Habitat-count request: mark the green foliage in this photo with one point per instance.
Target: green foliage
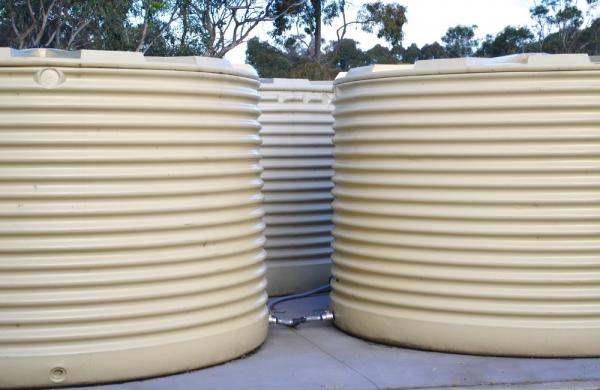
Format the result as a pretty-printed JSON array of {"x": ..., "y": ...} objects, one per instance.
[
  {"x": 270, "y": 61},
  {"x": 297, "y": 36},
  {"x": 559, "y": 25},
  {"x": 411, "y": 54},
  {"x": 313, "y": 70},
  {"x": 267, "y": 59},
  {"x": 387, "y": 18},
  {"x": 511, "y": 40},
  {"x": 65, "y": 24},
  {"x": 157, "y": 27},
  {"x": 381, "y": 55},
  {"x": 345, "y": 54},
  {"x": 588, "y": 40},
  {"x": 301, "y": 20},
  {"x": 432, "y": 51},
  {"x": 428, "y": 51},
  {"x": 460, "y": 41}
]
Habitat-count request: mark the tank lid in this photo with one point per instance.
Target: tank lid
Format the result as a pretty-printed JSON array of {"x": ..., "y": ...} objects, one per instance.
[
  {"x": 281, "y": 84},
  {"x": 341, "y": 75},
  {"x": 119, "y": 59},
  {"x": 511, "y": 63}
]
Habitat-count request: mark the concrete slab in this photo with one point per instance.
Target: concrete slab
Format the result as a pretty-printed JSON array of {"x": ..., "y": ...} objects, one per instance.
[
  {"x": 532, "y": 386},
  {"x": 318, "y": 356}
]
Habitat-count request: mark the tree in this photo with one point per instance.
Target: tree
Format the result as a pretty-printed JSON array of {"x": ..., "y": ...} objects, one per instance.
[
  {"x": 157, "y": 27},
  {"x": 340, "y": 56},
  {"x": 214, "y": 27},
  {"x": 388, "y": 19},
  {"x": 432, "y": 51},
  {"x": 267, "y": 60},
  {"x": 459, "y": 41},
  {"x": 345, "y": 54},
  {"x": 380, "y": 55},
  {"x": 411, "y": 54},
  {"x": 558, "y": 24},
  {"x": 63, "y": 24},
  {"x": 92, "y": 24},
  {"x": 297, "y": 36},
  {"x": 589, "y": 39},
  {"x": 303, "y": 18},
  {"x": 110, "y": 27},
  {"x": 511, "y": 40},
  {"x": 156, "y": 19}
]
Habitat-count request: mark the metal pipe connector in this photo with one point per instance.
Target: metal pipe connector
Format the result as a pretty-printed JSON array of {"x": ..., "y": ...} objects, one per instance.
[
  {"x": 280, "y": 321},
  {"x": 325, "y": 316},
  {"x": 294, "y": 322}
]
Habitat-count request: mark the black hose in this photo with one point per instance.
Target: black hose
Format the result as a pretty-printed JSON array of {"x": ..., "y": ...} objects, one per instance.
[{"x": 318, "y": 290}]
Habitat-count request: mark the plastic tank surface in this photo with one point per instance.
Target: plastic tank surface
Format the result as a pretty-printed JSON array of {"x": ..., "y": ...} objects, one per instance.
[
  {"x": 130, "y": 231},
  {"x": 467, "y": 205},
  {"x": 297, "y": 157}
]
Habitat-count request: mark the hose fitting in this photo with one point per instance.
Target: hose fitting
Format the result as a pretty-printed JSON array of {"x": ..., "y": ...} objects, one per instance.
[
  {"x": 326, "y": 315},
  {"x": 294, "y": 322}
]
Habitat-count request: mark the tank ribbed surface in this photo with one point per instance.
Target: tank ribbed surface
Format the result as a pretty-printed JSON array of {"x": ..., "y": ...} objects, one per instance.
[
  {"x": 467, "y": 206},
  {"x": 297, "y": 157},
  {"x": 130, "y": 222}
]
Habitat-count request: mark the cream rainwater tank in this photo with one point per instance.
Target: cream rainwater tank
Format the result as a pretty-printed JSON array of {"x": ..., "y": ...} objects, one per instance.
[
  {"x": 467, "y": 205},
  {"x": 297, "y": 158},
  {"x": 130, "y": 222}
]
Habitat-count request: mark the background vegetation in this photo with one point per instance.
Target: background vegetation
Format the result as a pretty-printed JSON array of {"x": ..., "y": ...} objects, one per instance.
[{"x": 296, "y": 47}]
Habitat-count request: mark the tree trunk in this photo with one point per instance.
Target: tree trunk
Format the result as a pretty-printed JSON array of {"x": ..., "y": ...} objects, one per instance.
[
  {"x": 185, "y": 12},
  {"x": 142, "y": 40},
  {"x": 317, "y": 37}
]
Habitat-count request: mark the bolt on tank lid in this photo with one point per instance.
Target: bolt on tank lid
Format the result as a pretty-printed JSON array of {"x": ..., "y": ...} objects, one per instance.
[
  {"x": 119, "y": 59},
  {"x": 526, "y": 62},
  {"x": 283, "y": 84}
]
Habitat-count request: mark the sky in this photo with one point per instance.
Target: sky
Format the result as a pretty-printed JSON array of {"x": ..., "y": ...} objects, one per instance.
[{"x": 428, "y": 21}]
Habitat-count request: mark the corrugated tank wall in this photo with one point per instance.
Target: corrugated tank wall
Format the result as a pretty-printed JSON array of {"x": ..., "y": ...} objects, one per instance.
[
  {"x": 466, "y": 212},
  {"x": 297, "y": 157},
  {"x": 130, "y": 221}
]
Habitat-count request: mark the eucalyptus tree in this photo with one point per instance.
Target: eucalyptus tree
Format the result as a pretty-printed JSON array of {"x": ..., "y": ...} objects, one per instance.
[
  {"x": 158, "y": 27},
  {"x": 302, "y": 21},
  {"x": 559, "y": 24},
  {"x": 459, "y": 41},
  {"x": 511, "y": 40}
]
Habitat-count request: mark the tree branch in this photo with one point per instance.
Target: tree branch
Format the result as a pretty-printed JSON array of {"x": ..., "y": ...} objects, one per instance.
[
  {"x": 172, "y": 18},
  {"x": 76, "y": 32},
  {"x": 45, "y": 15}
]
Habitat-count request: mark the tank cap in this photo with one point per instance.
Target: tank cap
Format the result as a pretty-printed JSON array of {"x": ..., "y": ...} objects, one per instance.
[
  {"x": 516, "y": 62},
  {"x": 119, "y": 59},
  {"x": 341, "y": 75},
  {"x": 377, "y": 68}
]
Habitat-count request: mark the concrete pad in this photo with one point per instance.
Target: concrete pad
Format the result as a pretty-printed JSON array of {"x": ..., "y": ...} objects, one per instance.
[
  {"x": 533, "y": 386},
  {"x": 286, "y": 361},
  {"x": 393, "y": 367},
  {"x": 319, "y": 356}
]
